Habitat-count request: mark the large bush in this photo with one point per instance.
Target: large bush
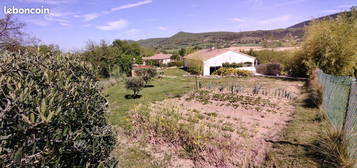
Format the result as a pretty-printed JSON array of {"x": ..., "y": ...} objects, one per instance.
[
  {"x": 194, "y": 66},
  {"x": 51, "y": 113},
  {"x": 175, "y": 63},
  {"x": 331, "y": 45},
  {"x": 269, "y": 69}
]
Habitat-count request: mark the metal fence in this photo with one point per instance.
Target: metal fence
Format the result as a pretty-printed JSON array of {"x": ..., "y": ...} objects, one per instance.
[{"x": 340, "y": 105}]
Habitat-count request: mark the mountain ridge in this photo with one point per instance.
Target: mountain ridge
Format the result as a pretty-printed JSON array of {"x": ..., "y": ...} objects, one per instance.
[{"x": 182, "y": 39}]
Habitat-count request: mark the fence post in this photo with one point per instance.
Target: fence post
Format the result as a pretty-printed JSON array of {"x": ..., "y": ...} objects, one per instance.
[
  {"x": 352, "y": 108},
  {"x": 350, "y": 126}
]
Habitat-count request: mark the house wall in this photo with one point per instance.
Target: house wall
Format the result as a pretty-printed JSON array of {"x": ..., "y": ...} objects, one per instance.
[
  {"x": 166, "y": 61},
  {"x": 230, "y": 57}
]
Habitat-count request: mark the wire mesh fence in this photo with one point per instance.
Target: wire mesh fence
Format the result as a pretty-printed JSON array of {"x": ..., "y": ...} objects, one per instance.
[{"x": 340, "y": 105}]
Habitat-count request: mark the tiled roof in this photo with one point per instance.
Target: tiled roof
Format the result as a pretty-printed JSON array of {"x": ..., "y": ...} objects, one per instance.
[
  {"x": 159, "y": 56},
  {"x": 206, "y": 54},
  {"x": 140, "y": 67}
]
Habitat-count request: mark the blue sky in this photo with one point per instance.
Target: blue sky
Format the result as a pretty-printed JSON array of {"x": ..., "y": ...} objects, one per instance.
[{"x": 72, "y": 23}]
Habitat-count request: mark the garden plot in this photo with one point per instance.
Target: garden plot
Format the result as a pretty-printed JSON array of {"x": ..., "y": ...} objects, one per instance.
[{"x": 217, "y": 127}]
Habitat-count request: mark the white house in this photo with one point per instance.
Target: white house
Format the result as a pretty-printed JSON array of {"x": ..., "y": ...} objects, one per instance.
[
  {"x": 212, "y": 59},
  {"x": 161, "y": 58}
]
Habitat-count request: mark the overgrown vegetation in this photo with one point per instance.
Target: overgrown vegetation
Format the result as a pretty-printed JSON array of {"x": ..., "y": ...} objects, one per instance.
[
  {"x": 331, "y": 45},
  {"x": 52, "y": 113}
]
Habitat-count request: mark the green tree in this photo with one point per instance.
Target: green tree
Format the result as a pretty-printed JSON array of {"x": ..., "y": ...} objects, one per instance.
[
  {"x": 146, "y": 74},
  {"x": 136, "y": 84}
]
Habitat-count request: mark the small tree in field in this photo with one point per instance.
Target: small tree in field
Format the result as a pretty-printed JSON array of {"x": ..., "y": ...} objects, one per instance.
[
  {"x": 147, "y": 74},
  {"x": 135, "y": 84}
]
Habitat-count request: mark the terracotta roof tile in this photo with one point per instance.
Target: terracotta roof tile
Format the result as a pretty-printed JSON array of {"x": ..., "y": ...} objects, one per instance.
[
  {"x": 159, "y": 56},
  {"x": 206, "y": 54}
]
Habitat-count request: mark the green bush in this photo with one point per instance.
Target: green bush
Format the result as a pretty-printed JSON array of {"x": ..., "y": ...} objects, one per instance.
[
  {"x": 296, "y": 67},
  {"x": 223, "y": 71},
  {"x": 175, "y": 63},
  {"x": 236, "y": 65},
  {"x": 331, "y": 45},
  {"x": 146, "y": 74},
  {"x": 136, "y": 84},
  {"x": 268, "y": 69},
  {"x": 51, "y": 113},
  {"x": 194, "y": 66},
  {"x": 243, "y": 73}
]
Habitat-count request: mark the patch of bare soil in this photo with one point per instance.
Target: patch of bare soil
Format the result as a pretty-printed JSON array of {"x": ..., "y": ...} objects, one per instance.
[{"x": 235, "y": 127}]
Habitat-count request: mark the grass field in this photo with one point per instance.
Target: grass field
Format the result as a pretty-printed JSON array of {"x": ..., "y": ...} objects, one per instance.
[
  {"x": 174, "y": 85},
  {"x": 292, "y": 150}
]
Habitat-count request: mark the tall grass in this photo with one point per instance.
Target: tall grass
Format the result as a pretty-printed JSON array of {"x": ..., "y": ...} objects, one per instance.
[{"x": 333, "y": 149}]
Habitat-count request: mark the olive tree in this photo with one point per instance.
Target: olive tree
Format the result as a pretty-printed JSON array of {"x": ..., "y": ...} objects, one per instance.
[
  {"x": 136, "y": 84},
  {"x": 146, "y": 74},
  {"x": 52, "y": 113}
]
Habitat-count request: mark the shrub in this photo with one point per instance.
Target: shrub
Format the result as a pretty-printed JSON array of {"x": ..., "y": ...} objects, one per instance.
[
  {"x": 175, "y": 63},
  {"x": 232, "y": 65},
  {"x": 194, "y": 66},
  {"x": 236, "y": 65},
  {"x": 146, "y": 74},
  {"x": 268, "y": 69},
  {"x": 243, "y": 73},
  {"x": 51, "y": 113},
  {"x": 296, "y": 67},
  {"x": 223, "y": 71},
  {"x": 136, "y": 84},
  {"x": 331, "y": 45}
]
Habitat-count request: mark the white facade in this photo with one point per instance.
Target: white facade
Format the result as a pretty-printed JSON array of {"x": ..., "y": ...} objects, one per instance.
[
  {"x": 166, "y": 61},
  {"x": 230, "y": 57}
]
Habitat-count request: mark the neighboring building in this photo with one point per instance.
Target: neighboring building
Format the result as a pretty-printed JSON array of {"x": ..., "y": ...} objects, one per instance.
[
  {"x": 136, "y": 67},
  {"x": 161, "y": 58},
  {"x": 212, "y": 59}
]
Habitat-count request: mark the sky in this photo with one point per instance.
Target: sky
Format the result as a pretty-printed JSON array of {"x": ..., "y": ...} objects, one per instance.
[{"x": 72, "y": 23}]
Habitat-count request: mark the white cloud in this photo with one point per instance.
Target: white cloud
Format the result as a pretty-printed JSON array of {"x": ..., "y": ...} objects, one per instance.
[
  {"x": 37, "y": 22},
  {"x": 59, "y": 20},
  {"x": 91, "y": 16},
  {"x": 131, "y": 5},
  {"x": 162, "y": 28},
  {"x": 237, "y": 19},
  {"x": 132, "y": 34},
  {"x": 114, "y": 25},
  {"x": 275, "y": 19},
  {"x": 88, "y": 17},
  {"x": 61, "y": 14}
]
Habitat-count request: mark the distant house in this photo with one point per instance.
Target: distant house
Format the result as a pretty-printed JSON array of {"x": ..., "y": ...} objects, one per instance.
[
  {"x": 136, "y": 67},
  {"x": 212, "y": 59},
  {"x": 161, "y": 58}
]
